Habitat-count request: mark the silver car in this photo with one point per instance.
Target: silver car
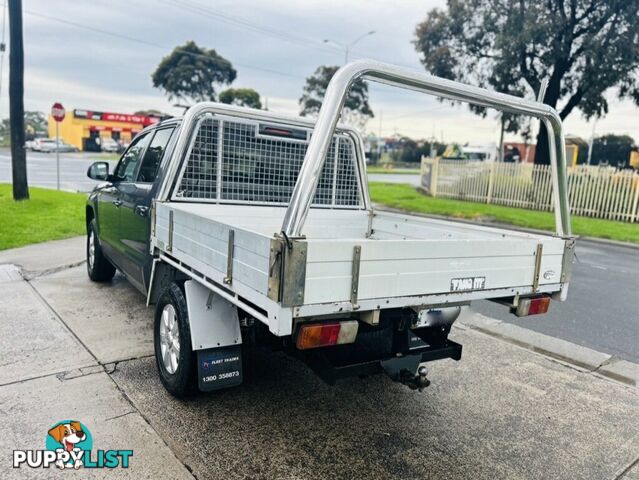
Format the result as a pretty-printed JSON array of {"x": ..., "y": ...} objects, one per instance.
[{"x": 49, "y": 146}]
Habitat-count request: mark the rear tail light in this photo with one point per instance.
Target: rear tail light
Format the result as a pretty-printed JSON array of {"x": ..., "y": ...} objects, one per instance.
[
  {"x": 316, "y": 335},
  {"x": 532, "y": 306}
]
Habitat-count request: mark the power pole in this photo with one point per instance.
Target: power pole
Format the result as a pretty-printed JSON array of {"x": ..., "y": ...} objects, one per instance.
[{"x": 16, "y": 102}]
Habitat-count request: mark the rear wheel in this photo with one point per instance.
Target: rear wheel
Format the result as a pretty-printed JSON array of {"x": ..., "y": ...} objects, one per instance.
[
  {"x": 98, "y": 267},
  {"x": 174, "y": 357}
]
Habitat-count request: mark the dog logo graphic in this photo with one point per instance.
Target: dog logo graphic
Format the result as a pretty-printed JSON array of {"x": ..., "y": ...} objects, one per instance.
[
  {"x": 69, "y": 444},
  {"x": 69, "y": 436}
]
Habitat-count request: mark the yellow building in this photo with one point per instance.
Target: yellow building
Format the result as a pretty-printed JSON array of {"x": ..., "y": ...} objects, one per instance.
[{"x": 86, "y": 128}]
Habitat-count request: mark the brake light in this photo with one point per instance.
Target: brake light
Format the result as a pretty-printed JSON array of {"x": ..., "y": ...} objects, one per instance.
[
  {"x": 316, "y": 335},
  {"x": 278, "y": 131},
  {"x": 532, "y": 306}
]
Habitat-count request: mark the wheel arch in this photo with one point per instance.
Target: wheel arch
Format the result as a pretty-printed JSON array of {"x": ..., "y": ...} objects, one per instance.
[{"x": 89, "y": 215}]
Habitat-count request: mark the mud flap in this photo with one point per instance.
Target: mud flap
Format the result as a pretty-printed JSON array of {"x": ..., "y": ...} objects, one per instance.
[
  {"x": 216, "y": 338},
  {"x": 219, "y": 368}
]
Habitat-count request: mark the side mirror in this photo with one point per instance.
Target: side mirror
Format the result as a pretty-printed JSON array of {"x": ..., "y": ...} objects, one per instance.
[{"x": 98, "y": 171}]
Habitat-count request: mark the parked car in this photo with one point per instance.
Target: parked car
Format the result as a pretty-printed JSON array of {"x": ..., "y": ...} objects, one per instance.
[
  {"x": 42, "y": 144},
  {"x": 108, "y": 144},
  {"x": 50, "y": 147},
  {"x": 189, "y": 215}
]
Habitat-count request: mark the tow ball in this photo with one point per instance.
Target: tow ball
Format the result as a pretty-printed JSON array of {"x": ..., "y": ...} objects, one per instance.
[
  {"x": 407, "y": 370},
  {"x": 415, "y": 381}
]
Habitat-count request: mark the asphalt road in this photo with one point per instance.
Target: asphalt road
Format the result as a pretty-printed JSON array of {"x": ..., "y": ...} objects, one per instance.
[
  {"x": 395, "y": 178},
  {"x": 41, "y": 169},
  {"x": 602, "y": 311}
]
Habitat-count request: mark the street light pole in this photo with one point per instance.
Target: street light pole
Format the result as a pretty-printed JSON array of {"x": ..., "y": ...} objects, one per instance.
[{"x": 347, "y": 47}]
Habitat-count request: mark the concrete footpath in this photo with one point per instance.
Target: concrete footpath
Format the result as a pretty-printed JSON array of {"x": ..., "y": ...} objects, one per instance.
[
  {"x": 47, "y": 374},
  {"x": 519, "y": 405}
]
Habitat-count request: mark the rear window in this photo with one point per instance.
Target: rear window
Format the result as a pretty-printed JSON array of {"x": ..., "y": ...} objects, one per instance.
[{"x": 236, "y": 161}]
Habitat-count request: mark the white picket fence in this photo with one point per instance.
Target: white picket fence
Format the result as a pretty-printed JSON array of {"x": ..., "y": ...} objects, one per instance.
[{"x": 601, "y": 192}]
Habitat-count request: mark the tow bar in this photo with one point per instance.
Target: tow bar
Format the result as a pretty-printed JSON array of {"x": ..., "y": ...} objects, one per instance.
[{"x": 407, "y": 370}]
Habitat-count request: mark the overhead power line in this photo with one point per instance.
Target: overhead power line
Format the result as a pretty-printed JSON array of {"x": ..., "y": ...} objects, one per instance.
[
  {"x": 241, "y": 22},
  {"x": 199, "y": 9},
  {"x": 146, "y": 42},
  {"x": 244, "y": 23},
  {"x": 212, "y": 13}
]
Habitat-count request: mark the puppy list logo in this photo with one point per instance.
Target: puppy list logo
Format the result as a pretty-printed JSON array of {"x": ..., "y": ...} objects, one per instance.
[{"x": 69, "y": 444}]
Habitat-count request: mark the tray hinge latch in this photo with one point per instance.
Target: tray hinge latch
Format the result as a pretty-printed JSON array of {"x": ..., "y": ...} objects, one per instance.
[
  {"x": 538, "y": 255},
  {"x": 357, "y": 256},
  {"x": 228, "y": 279}
]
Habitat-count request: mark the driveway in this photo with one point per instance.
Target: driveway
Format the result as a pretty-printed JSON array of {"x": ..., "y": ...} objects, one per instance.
[{"x": 501, "y": 412}]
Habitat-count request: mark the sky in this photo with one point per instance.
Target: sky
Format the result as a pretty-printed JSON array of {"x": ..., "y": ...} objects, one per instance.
[{"x": 100, "y": 54}]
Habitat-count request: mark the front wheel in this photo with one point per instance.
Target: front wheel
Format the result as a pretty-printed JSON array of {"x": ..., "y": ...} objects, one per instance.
[
  {"x": 174, "y": 357},
  {"x": 98, "y": 267}
]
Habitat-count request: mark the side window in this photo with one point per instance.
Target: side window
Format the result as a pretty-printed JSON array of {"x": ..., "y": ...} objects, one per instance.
[
  {"x": 153, "y": 155},
  {"x": 129, "y": 162}
]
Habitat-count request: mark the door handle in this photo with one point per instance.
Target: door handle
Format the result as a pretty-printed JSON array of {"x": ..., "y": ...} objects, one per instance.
[
  {"x": 141, "y": 210},
  {"x": 117, "y": 203}
]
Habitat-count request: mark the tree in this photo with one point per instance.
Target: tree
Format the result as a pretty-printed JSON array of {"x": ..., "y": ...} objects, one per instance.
[
  {"x": 35, "y": 124},
  {"x": 612, "y": 150},
  {"x": 582, "y": 47},
  {"x": 407, "y": 150},
  {"x": 192, "y": 73},
  {"x": 356, "y": 107},
  {"x": 5, "y": 128},
  {"x": 152, "y": 112},
  {"x": 16, "y": 102},
  {"x": 246, "y": 97}
]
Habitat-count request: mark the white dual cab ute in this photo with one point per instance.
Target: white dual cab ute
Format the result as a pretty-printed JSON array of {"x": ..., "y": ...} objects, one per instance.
[{"x": 248, "y": 228}]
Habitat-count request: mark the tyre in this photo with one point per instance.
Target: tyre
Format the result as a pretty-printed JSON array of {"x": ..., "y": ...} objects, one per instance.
[
  {"x": 174, "y": 357},
  {"x": 98, "y": 267}
]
